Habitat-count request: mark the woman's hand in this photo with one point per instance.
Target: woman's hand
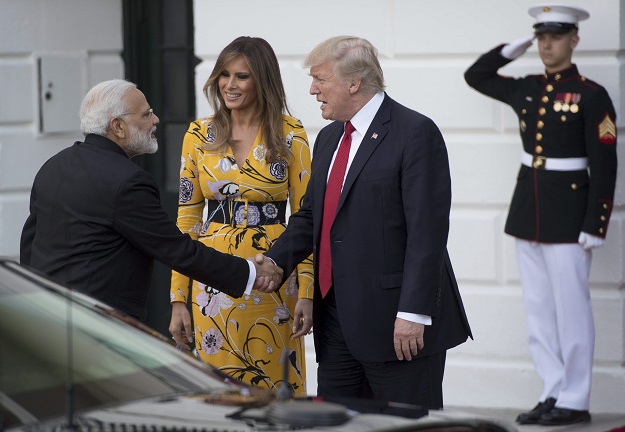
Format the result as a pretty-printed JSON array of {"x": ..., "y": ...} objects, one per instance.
[
  {"x": 180, "y": 325},
  {"x": 302, "y": 317}
]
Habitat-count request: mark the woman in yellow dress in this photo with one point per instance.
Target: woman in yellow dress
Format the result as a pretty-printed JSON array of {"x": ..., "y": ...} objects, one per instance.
[{"x": 238, "y": 171}]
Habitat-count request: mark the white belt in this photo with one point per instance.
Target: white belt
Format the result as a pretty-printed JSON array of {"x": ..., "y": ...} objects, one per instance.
[{"x": 554, "y": 164}]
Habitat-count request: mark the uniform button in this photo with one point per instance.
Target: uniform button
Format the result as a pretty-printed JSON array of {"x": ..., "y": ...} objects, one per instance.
[
  {"x": 539, "y": 136},
  {"x": 540, "y": 124},
  {"x": 605, "y": 206},
  {"x": 601, "y": 230},
  {"x": 539, "y": 149},
  {"x": 549, "y": 87},
  {"x": 545, "y": 99},
  {"x": 557, "y": 77},
  {"x": 542, "y": 111},
  {"x": 603, "y": 218},
  {"x": 563, "y": 118},
  {"x": 523, "y": 111},
  {"x": 574, "y": 186}
]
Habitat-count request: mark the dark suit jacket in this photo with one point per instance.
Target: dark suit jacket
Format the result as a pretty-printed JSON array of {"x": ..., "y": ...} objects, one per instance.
[
  {"x": 96, "y": 224},
  {"x": 389, "y": 237}
]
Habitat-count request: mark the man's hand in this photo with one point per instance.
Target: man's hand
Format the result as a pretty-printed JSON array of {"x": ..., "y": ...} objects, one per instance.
[
  {"x": 407, "y": 338},
  {"x": 588, "y": 241},
  {"x": 517, "y": 48},
  {"x": 268, "y": 275},
  {"x": 302, "y": 318},
  {"x": 180, "y": 325}
]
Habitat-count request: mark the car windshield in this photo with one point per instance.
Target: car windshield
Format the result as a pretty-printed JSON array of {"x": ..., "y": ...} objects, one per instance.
[{"x": 55, "y": 343}]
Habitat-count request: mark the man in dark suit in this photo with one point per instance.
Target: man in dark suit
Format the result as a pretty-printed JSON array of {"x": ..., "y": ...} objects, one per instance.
[
  {"x": 96, "y": 221},
  {"x": 386, "y": 304}
]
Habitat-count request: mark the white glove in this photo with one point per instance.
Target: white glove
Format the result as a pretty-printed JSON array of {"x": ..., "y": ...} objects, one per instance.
[
  {"x": 588, "y": 241},
  {"x": 517, "y": 48}
]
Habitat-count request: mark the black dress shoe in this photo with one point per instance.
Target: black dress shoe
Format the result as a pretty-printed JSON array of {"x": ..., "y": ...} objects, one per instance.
[
  {"x": 563, "y": 416},
  {"x": 531, "y": 417}
]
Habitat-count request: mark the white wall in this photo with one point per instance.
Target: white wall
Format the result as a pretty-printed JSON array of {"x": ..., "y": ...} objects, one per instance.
[
  {"x": 87, "y": 34},
  {"x": 425, "y": 46}
]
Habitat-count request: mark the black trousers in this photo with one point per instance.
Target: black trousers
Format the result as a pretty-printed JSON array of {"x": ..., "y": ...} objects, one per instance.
[{"x": 340, "y": 375}]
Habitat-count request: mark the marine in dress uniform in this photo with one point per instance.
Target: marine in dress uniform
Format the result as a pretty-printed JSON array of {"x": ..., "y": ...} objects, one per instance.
[{"x": 561, "y": 204}]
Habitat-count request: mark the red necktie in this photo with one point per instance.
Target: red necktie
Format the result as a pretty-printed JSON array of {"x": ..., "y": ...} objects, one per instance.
[{"x": 330, "y": 202}]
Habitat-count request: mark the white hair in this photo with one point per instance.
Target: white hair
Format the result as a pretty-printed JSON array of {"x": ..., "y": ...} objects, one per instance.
[{"x": 104, "y": 102}]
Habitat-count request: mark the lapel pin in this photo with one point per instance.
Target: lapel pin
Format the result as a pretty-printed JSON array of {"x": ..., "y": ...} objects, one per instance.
[{"x": 374, "y": 136}]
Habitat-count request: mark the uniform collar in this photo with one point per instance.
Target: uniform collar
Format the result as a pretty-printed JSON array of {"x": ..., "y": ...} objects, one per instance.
[{"x": 562, "y": 75}]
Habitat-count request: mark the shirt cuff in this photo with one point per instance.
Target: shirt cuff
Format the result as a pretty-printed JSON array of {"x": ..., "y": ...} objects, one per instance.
[
  {"x": 415, "y": 318},
  {"x": 251, "y": 278}
]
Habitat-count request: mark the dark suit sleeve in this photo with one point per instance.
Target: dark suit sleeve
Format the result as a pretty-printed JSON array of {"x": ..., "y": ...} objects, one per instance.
[
  {"x": 426, "y": 195},
  {"x": 140, "y": 218},
  {"x": 28, "y": 232},
  {"x": 296, "y": 242}
]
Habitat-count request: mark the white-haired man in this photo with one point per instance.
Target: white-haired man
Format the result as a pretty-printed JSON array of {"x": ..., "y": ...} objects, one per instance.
[{"x": 96, "y": 222}]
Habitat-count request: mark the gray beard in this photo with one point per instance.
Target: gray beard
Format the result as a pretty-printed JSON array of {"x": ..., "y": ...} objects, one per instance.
[{"x": 139, "y": 143}]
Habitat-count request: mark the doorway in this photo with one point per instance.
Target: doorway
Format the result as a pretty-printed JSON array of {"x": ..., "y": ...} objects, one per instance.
[{"x": 159, "y": 57}]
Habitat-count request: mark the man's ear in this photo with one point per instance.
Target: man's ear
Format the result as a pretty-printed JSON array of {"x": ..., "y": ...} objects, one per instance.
[
  {"x": 354, "y": 85},
  {"x": 574, "y": 41},
  {"x": 118, "y": 127}
]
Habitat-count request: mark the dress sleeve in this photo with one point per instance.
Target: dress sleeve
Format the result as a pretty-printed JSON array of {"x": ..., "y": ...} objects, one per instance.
[
  {"x": 299, "y": 175},
  {"x": 483, "y": 76},
  {"x": 190, "y": 200}
]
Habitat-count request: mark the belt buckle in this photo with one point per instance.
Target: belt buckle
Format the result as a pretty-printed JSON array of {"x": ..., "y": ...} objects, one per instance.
[
  {"x": 245, "y": 209},
  {"x": 539, "y": 162}
]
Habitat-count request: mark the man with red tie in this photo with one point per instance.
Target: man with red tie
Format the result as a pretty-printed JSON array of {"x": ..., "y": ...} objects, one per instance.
[{"x": 376, "y": 217}]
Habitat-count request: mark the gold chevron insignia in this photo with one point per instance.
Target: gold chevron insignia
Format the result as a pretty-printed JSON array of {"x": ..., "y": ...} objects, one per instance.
[{"x": 607, "y": 130}]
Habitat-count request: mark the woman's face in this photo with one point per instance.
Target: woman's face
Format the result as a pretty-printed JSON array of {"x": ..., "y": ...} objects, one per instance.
[{"x": 237, "y": 86}]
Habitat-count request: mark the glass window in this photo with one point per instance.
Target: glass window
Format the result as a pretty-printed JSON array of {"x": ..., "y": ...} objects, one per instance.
[{"x": 51, "y": 341}]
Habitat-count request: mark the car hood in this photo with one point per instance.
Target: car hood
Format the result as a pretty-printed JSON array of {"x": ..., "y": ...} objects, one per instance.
[{"x": 217, "y": 413}]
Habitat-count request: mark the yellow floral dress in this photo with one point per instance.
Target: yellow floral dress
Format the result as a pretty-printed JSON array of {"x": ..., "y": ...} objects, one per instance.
[{"x": 241, "y": 211}]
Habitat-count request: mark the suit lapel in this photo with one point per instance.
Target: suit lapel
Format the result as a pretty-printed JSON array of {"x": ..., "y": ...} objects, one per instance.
[{"x": 372, "y": 138}]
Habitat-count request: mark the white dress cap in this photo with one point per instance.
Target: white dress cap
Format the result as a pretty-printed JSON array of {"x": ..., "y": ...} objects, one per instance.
[{"x": 556, "y": 18}]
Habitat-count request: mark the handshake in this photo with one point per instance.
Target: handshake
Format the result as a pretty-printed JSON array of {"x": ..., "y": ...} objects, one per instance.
[{"x": 268, "y": 275}]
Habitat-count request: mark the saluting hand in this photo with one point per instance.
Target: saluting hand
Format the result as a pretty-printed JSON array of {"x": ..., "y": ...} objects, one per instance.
[{"x": 518, "y": 47}]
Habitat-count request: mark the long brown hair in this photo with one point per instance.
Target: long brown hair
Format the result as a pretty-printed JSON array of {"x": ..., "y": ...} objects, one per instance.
[{"x": 270, "y": 95}]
